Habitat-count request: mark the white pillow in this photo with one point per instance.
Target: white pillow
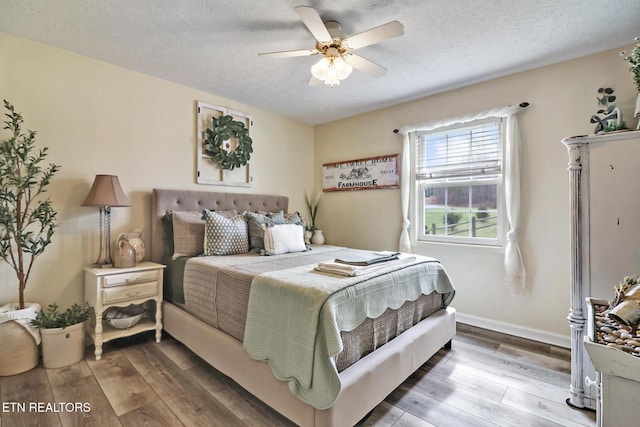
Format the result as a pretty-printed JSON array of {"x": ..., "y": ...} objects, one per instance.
[{"x": 283, "y": 238}]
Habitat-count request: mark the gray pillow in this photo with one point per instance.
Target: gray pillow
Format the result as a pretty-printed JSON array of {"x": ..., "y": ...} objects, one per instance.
[
  {"x": 293, "y": 218},
  {"x": 188, "y": 231},
  {"x": 225, "y": 236}
]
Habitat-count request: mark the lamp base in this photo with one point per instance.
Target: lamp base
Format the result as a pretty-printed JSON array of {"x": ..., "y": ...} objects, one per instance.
[
  {"x": 99, "y": 265},
  {"x": 104, "y": 257}
]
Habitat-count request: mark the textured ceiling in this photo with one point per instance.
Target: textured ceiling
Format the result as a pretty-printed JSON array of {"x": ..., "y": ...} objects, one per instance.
[{"x": 213, "y": 45}]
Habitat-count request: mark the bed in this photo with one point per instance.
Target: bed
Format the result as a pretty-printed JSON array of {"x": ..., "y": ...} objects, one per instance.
[{"x": 365, "y": 378}]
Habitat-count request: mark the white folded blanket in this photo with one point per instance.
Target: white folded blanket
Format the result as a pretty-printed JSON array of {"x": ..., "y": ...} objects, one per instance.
[
  {"x": 358, "y": 270},
  {"x": 22, "y": 317}
]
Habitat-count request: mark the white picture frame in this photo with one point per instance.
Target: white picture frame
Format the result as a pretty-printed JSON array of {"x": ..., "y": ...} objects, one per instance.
[{"x": 207, "y": 171}]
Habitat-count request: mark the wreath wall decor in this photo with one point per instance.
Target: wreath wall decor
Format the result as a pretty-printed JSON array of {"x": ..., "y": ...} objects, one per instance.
[{"x": 217, "y": 142}]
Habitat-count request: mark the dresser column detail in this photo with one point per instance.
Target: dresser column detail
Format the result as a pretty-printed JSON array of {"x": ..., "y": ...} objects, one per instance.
[{"x": 576, "y": 316}]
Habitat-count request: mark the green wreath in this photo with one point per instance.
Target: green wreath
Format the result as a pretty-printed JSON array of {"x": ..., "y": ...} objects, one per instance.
[{"x": 216, "y": 142}]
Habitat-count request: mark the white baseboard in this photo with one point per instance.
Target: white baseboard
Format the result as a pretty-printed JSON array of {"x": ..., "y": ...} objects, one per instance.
[{"x": 519, "y": 331}]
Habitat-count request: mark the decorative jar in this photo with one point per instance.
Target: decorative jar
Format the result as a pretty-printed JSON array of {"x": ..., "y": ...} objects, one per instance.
[
  {"x": 317, "y": 238},
  {"x": 125, "y": 255},
  {"x": 135, "y": 240}
]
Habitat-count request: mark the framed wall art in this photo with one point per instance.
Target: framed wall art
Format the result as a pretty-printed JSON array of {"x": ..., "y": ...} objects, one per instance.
[
  {"x": 223, "y": 146},
  {"x": 361, "y": 174}
]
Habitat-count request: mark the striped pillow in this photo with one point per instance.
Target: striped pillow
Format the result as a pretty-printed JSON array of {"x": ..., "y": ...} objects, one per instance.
[{"x": 283, "y": 238}]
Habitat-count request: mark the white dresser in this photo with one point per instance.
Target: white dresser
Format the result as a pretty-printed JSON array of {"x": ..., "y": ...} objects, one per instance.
[
  {"x": 604, "y": 180},
  {"x": 618, "y": 378}
]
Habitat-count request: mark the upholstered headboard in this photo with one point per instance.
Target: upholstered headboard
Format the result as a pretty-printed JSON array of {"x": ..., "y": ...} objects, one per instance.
[{"x": 184, "y": 200}]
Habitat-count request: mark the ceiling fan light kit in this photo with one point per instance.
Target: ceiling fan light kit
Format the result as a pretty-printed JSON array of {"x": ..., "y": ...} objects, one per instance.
[
  {"x": 331, "y": 70},
  {"x": 338, "y": 61}
]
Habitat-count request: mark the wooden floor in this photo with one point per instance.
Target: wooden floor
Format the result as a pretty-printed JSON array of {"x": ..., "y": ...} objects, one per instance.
[{"x": 485, "y": 379}]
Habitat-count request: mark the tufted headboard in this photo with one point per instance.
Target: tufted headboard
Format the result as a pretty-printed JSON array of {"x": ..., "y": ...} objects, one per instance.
[{"x": 185, "y": 200}]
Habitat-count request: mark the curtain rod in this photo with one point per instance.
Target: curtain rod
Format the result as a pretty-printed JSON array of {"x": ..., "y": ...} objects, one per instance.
[{"x": 524, "y": 104}]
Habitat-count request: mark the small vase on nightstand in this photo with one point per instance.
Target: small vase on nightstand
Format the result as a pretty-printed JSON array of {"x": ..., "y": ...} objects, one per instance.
[
  {"x": 125, "y": 255},
  {"x": 317, "y": 238},
  {"x": 134, "y": 238}
]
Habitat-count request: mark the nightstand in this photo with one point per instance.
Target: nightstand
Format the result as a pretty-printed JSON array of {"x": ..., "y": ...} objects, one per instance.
[{"x": 120, "y": 287}]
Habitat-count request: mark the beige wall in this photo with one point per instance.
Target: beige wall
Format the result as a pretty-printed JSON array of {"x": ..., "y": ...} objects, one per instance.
[
  {"x": 562, "y": 98},
  {"x": 99, "y": 118}
]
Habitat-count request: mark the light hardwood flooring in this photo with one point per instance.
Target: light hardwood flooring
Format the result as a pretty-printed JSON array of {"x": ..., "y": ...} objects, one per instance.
[{"x": 485, "y": 379}]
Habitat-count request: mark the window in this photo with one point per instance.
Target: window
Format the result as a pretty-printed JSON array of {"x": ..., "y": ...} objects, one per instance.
[{"x": 458, "y": 174}]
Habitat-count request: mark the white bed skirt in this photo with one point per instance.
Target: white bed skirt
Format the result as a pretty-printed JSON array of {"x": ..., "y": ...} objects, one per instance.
[{"x": 364, "y": 384}]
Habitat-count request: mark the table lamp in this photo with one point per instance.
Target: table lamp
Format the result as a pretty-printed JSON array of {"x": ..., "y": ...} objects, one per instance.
[{"x": 105, "y": 193}]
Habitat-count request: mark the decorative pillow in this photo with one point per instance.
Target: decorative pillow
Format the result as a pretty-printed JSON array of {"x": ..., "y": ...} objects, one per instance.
[
  {"x": 225, "y": 236},
  {"x": 227, "y": 214},
  {"x": 188, "y": 231},
  {"x": 256, "y": 233},
  {"x": 293, "y": 218},
  {"x": 167, "y": 245},
  {"x": 283, "y": 238},
  {"x": 277, "y": 217}
]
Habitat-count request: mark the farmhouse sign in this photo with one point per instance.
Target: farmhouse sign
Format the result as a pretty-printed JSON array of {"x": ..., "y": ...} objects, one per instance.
[{"x": 361, "y": 174}]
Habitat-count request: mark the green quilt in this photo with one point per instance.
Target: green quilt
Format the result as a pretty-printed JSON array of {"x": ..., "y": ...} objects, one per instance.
[{"x": 295, "y": 317}]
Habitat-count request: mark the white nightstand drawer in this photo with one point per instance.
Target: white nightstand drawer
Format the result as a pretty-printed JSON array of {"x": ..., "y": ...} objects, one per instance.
[
  {"x": 117, "y": 294},
  {"x": 110, "y": 287},
  {"x": 130, "y": 278}
]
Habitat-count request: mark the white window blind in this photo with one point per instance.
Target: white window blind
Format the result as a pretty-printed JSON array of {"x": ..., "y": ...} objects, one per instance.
[{"x": 471, "y": 151}]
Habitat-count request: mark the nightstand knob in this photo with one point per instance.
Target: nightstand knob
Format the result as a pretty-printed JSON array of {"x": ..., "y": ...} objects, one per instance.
[{"x": 133, "y": 294}]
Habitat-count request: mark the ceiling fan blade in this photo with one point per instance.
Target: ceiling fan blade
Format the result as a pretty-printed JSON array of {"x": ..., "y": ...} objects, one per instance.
[
  {"x": 314, "y": 82},
  {"x": 375, "y": 35},
  {"x": 314, "y": 23},
  {"x": 289, "y": 53},
  {"x": 364, "y": 65}
]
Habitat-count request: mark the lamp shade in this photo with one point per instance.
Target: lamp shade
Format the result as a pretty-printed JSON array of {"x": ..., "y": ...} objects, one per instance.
[{"x": 106, "y": 191}]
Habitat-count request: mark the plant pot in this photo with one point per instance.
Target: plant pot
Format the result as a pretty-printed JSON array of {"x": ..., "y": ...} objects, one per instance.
[
  {"x": 62, "y": 346},
  {"x": 19, "y": 351},
  {"x": 18, "y": 348},
  {"x": 627, "y": 312}
]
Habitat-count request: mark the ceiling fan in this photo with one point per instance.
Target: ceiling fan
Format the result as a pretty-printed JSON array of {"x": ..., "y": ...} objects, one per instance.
[{"x": 338, "y": 59}]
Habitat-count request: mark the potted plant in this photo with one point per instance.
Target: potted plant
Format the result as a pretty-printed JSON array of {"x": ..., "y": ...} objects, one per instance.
[
  {"x": 62, "y": 334},
  {"x": 611, "y": 119},
  {"x": 27, "y": 222},
  {"x": 317, "y": 238},
  {"x": 633, "y": 58}
]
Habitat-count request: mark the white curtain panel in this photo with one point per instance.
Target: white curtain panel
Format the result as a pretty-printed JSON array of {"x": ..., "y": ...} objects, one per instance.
[
  {"x": 514, "y": 270},
  {"x": 405, "y": 191},
  {"x": 515, "y": 278}
]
